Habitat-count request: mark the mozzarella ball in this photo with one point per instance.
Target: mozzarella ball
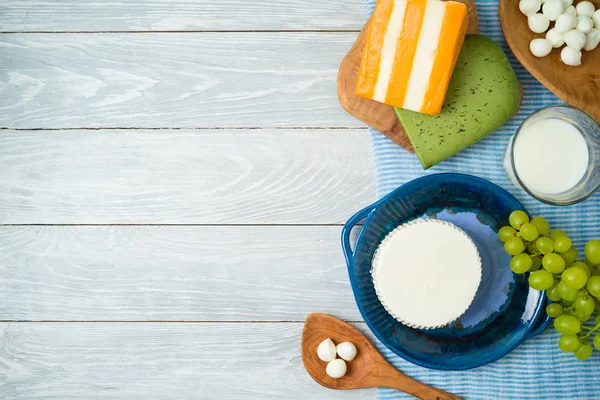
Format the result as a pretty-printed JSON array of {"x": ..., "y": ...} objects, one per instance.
[
  {"x": 596, "y": 19},
  {"x": 346, "y": 351},
  {"x": 326, "y": 350},
  {"x": 556, "y": 38},
  {"x": 538, "y": 23},
  {"x": 571, "y": 11},
  {"x": 567, "y": 3},
  {"x": 575, "y": 39},
  {"x": 552, "y": 9},
  {"x": 540, "y": 47},
  {"x": 528, "y": 7},
  {"x": 584, "y": 24},
  {"x": 336, "y": 368},
  {"x": 585, "y": 8},
  {"x": 565, "y": 23},
  {"x": 571, "y": 56},
  {"x": 592, "y": 41}
]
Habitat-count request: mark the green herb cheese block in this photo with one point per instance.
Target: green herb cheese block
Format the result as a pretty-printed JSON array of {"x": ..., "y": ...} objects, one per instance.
[{"x": 483, "y": 94}]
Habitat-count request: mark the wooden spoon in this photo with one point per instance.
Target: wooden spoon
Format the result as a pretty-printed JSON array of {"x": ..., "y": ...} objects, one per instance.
[
  {"x": 577, "y": 86},
  {"x": 368, "y": 369},
  {"x": 378, "y": 115}
]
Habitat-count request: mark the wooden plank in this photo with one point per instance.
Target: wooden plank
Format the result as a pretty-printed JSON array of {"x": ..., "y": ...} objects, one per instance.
[
  {"x": 172, "y": 273},
  {"x": 184, "y": 176},
  {"x": 182, "y": 15},
  {"x": 157, "y": 361},
  {"x": 172, "y": 80}
]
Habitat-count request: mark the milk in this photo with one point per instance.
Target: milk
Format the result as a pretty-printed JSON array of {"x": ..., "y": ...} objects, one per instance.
[{"x": 550, "y": 156}]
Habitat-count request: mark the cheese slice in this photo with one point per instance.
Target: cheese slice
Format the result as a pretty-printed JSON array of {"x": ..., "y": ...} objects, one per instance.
[
  {"x": 411, "y": 50},
  {"x": 426, "y": 273}
]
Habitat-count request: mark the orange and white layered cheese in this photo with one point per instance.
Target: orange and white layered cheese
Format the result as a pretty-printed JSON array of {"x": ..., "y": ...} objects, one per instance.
[{"x": 411, "y": 50}]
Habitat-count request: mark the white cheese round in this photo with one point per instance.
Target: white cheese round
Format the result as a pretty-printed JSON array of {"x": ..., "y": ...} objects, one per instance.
[
  {"x": 575, "y": 39},
  {"x": 538, "y": 23},
  {"x": 426, "y": 273},
  {"x": 336, "y": 368},
  {"x": 592, "y": 41},
  {"x": 556, "y": 38},
  {"x": 584, "y": 24},
  {"x": 585, "y": 8},
  {"x": 347, "y": 351},
  {"x": 552, "y": 9},
  {"x": 571, "y": 56},
  {"x": 567, "y": 3},
  {"x": 565, "y": 23},
  {"x": 571, "y": 11},
  {"x": 528, "y": 7},
  {"x": 326, "y": 350},
  {"x": 596, "y": 19},
  {"x": 540, "y": 47}
]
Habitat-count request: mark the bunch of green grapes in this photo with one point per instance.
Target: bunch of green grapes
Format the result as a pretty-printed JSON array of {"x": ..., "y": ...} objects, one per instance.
[{"x": 573, "y": 286}]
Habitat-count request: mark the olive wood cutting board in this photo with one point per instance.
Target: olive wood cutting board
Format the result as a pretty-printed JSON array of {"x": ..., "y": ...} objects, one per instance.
[
  {"x": 378, "y": 115},
  {"x": 577, "y": 86}
]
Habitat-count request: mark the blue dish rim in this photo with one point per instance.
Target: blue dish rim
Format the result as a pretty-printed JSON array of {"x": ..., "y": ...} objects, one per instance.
[{"x": 537, "y": 325}]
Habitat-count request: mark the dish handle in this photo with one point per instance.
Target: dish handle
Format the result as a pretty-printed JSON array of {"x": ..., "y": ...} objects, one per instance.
[
  {"x": 541, "y": 324},
  {"x": 347, "y": 229}
]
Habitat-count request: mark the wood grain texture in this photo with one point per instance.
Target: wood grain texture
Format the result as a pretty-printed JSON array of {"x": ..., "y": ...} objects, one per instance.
[
  {"x": 368, "y": 369},
  {"x": 375, "y": 114},
  {"x": 157, "y": 361},
  {"x": 184, "y": 176},
  {"x": 184, "y": 15},
  {"x": 577, "y": 86},
  {"x": 172, "y": 273},
  {"x": 172, "y": 80}
]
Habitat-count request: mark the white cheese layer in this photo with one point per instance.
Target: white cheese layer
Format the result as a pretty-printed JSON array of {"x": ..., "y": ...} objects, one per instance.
[
  {"x": 426, "y": 273},
  {"x": 427, "y": 45},
  {"x": 388, "y": 50}
]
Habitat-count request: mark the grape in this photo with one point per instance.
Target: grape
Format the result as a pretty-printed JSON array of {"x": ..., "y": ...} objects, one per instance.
[
  {"x": 585, "y": 305},
  {"x": 545, "y": 245},
  {"x": 553, "y": 293},
  {"x": 584, "y": 352},
  {"x": 520, "y": 263},
  {"x": 593, "y": 286},
  {"x": 555, "y": 234},
  {"x": 588, "y": 263},
  {"x": 570, "y": 256},
  {"x": 597, "y": 341},
  {"x": 554, "y": 310},
  {"x": 541, "y": 225},
  {"x": 536, "y": 263},
  {"x": 583, "y": 266},
  {"x": 597, "y": 320},
  {"x": 514, "y": 246},
  {"x": 569, "y": 343},
  {"x": 518, "y": 218},
  {"x": 562, "y": 244},
  {"x": 529, "y": 232},
  {"x": 574, "y": 277},
  {"x": 553, "y": 263},
  {"x": 567, "y": 325},
  {"x": 506, "y": 232},
  {"x": 592, "y": 251},
  {"x": 541, "y": 280},
  {"x": 566, "y": 293},
  {"x": 583, "y": 317}
]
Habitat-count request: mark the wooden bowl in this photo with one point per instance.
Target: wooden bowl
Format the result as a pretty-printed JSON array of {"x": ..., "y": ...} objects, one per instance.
[{"x": 577, "y": 86}]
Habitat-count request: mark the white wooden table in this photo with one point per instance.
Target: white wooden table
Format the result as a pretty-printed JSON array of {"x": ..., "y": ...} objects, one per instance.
[{"x": 174, "y": 175}]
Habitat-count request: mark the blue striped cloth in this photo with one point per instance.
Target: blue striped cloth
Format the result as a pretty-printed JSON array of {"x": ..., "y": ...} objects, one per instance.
[{"x": 537, "y": 369}]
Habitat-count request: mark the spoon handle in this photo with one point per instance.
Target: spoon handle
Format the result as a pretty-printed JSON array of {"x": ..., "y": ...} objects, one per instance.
[{"x": 413, "y": 387}]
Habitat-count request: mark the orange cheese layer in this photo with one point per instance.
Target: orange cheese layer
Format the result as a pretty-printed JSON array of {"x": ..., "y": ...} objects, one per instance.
[{"x": 411, "y": 50}]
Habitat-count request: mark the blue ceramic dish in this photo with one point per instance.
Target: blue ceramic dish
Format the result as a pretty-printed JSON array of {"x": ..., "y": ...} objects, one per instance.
[{"x": 505, "y": 311}]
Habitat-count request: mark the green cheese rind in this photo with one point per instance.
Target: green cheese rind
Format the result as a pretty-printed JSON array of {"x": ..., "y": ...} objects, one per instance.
[{"x": 483, "y": 94}]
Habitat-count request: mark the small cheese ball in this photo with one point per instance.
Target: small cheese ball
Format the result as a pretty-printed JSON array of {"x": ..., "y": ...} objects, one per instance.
[
  {"x": 585, "y": 8},
  {"x": 592, "y": 41},
  {"x": 596, "y": 19},
  {"x": 538, "y": 23},
  {"x": 571, "y": 56},
  {"x": 556, "y": 38},
  {"x": 584, "y": 24},
  {"x": 552, "y": 9},
  {"x": 326, "y": 350},
  {"x": 336, "y": 368},
  {"x": 575, "y": 39},
  {"x": 565, "y": 23},
  {"x": 567, "y": 3},
  {"x": 571, "y": 11},
  {"x": 529, "y": 7},
  {"x": 347, "y": 351},
  {"x": 540, "y": 47}
]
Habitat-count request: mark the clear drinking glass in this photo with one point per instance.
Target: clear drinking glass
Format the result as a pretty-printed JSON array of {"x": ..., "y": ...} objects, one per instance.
[{"x": 589, "y": 129}]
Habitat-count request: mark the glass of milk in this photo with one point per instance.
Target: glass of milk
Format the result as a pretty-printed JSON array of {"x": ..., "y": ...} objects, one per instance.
[{"x": 555, "y": 155}]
